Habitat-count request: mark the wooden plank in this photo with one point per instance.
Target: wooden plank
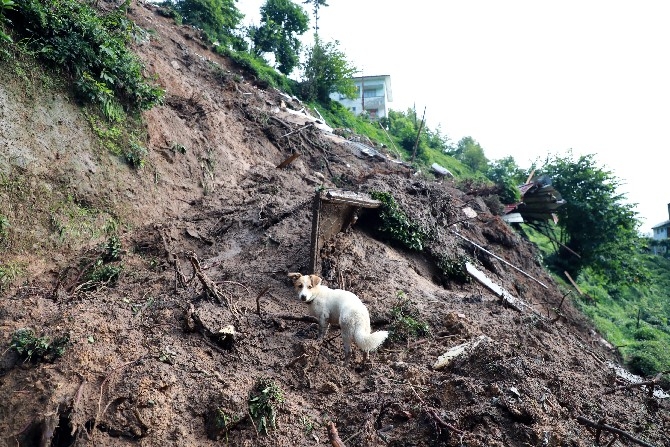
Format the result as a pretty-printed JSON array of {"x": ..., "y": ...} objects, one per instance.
[
  {"x": 351, "y": 198},
  {"x": 504, "y": 295},
  {"x": 314, "y": 248},
  {"x": 288, "y": 161}
]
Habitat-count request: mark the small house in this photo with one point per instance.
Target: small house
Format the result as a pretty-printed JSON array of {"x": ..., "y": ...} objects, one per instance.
[
  {"x": 661, "y": 231},
  {"x": 373, "y": 93}
]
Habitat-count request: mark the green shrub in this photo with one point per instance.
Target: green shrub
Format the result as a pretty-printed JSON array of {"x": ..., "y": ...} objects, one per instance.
[
  {"x": 644, "y": 333},
  {"x": 263, "y": 402},
  {"x": 35, "y": 349},
  {"x": 136, "y": 154},
  {"x": 650, "y": 358},
  {"x": 395, "y": 225},
  {"x": 92, "y": 49},
  {"x": 453, "y": 267}
]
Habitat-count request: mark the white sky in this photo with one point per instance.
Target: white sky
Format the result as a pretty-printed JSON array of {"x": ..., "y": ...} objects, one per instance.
[{"x": 526, "y": 78}]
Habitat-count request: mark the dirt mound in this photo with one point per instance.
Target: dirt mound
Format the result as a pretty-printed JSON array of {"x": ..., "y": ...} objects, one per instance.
[{"x": 186, "y": 328}]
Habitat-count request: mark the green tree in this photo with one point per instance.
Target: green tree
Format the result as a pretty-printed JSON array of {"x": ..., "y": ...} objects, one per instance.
[
  {"x": 471, "y": 154},
  {"x": 507, "y": 175},
  {"x": 217, "y": 18},
  {"x": 596, "y": 222},
  {"x": 316, "y": 4},
  {"x": 327, "y": 70},
  {"x": 281, "y": 21}
]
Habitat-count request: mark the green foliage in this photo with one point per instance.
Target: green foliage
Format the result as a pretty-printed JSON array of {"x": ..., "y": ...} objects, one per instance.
[
  {"x": 281, "y": 22},
  {"x": 453, "y": 267},
  {"x": 595, "y": 222},
  {"x": 507, "y": 175},
  {"x": 136, "y": 154},
  {"x": 5, "y": 5},
  {"x": 327, "y": 70},
  {"x": 167, "y": 9},
  {"x": 9, "y": 272},
  {"x": 633, "y": 317},
  {"x": 93, "y": 50},
  {"x": 650, "y": 358},
  {"x": 35, "y": 349},
  {"x": 470, "y": 153},
  {"x": 218, "y": 19},
  {"x": 263, "y": 402},
  {"x": 396, "y": 226},
  {"x": 260, "y": 69},
  {"x": 102, "y": 274},
  {"x": 406, "y": 323}
]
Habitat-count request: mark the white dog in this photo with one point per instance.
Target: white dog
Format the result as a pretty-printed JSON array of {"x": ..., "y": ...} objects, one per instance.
[{"x": 337, "y": 306}]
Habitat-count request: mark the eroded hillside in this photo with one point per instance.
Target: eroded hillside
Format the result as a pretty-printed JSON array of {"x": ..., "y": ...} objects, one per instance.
[{"x": 206, "y": 233}]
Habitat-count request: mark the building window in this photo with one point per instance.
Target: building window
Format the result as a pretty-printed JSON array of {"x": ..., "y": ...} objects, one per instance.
[
  {"x": 370, "y": 93},
  {"x": 353, "y": 109}
]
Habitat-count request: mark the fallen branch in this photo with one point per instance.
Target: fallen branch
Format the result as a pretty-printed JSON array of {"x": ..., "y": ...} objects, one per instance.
[
  {"x": 599, "y": 426},
  {"x": 333, "y": 436},
  {"x": 210, "y": 286},
  {"x": 651, "y": 383},
  {"x": 298, "y": 130},
  {"x": 258, "y": 303},
  {"x": 431, "y": 412},
  {"x": 306, "y": 318}
]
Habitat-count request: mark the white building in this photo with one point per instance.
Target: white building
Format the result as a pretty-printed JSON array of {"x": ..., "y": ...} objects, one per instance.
[
  {"x": 373, "y": 95},
  {"x": 661, "y": 230}
]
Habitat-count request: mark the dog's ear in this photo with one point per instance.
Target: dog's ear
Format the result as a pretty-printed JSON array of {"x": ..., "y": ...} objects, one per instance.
[
  {"x": 294, "y": 276},
  {"x": 315, "y": 280}
]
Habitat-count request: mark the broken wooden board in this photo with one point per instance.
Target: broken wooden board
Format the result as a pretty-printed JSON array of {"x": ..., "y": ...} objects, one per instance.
[
  {"x": 505, "y": 296},
  {"x": 456, "y": 351},
  {"x": 334, "y": 211}
]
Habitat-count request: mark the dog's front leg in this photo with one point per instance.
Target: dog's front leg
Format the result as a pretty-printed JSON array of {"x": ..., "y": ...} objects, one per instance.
[{"x": 324, "y": 325}]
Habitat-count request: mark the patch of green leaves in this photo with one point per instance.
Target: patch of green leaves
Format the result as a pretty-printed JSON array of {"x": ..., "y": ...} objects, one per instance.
[
  {"x": 92, "y": 48},
  {"x": 453, "y": 267},
  {"x": 395, "y": 224},
  {"x": 9, "y": 272},
  {"x": 406, "y": 322},
  {"x": 136, "y": 154},
  {"x": 36, "y": 349},
  {"x": 264, "y": 401}
]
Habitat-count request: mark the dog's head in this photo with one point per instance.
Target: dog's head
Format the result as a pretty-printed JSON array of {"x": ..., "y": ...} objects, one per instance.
[{"x": 306, "y": 285}]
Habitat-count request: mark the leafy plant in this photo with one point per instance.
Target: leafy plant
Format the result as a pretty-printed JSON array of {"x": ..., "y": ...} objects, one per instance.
[
  {"x": 5, "y": 5},
  {"x": 263, "y": 402},
  {"x": 37, "y": 349},
  {"x": 405, "y": 320},
  {"x": 136, "y": 154},
  {"x": 101, "y": 274},
  {"x": 112, "y": 249},
  {"x": 9, "y": 272},
  {"x": 93, "y": 50},
  {"x": 453, "y": 267},
  {"x": 395, "y": 224}
]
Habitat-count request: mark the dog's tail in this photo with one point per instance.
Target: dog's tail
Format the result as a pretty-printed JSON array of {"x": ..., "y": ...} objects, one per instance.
[{"x": 369, "y": 342}]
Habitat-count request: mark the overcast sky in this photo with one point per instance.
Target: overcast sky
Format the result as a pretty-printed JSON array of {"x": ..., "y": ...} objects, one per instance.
[{"x": 526, "y": 78}]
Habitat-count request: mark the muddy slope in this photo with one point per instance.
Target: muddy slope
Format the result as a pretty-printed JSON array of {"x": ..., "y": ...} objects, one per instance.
[{"x": 207, "y": 238}]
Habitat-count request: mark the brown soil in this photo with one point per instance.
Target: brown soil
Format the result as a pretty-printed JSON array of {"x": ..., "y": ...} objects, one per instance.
[{"x": 147, "y": 366}]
